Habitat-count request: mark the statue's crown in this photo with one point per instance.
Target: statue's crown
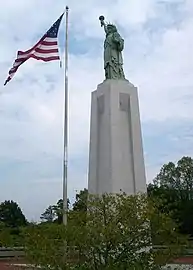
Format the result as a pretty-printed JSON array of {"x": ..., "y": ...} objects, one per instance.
[{"x": 112, "y": 26}]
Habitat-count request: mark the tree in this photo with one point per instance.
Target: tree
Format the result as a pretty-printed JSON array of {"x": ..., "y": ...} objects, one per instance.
[
  {"x": 81, "y": 201},
  {"x": 54, "y": 213},
  {"x": 49, "y": 215},
  {"x": 11, "y": 214},
  {"x": 174, "y": 187},
  {"x": 58, "y": 208},
  {"x": 177, "y": 177},
  {"x": 118, "y": 234}
]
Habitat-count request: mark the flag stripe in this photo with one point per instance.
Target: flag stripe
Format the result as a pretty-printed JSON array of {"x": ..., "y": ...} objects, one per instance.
[
  {"x": 34, "y": 56},
  {"x": 20, "y": 59},
  {"x": 15, "y": 67},
  {"x": 35, "y": 46},
  {"x": 13, "y": 70},
  {"x": 40, "y": 50},
  {"x": 49, "y": 43},
  {"x": 44, "y": 43},
  {"x": 37, "y": 54},
  {"x": 50, "y": 40},
  {"x": 46, "y": 47},
  {"x": 46, "y": 59}
]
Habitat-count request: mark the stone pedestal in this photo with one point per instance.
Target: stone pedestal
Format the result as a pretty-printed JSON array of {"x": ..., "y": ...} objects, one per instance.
[{"x": 116, "y": 162}]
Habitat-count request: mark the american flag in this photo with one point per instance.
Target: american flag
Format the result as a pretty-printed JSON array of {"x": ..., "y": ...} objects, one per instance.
[{"x": 46, "y": 50}]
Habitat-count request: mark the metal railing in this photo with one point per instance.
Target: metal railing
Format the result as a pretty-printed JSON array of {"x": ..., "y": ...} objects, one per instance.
[
  {"x": 19, "y": 252},
  {"x": 11, "y": 252}
]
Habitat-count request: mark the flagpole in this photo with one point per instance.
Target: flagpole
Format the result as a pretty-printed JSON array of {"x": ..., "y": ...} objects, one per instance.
[{"x": 65, "y": 164}]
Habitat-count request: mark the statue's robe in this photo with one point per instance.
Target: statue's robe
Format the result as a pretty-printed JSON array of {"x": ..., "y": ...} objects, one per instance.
[{"x": 113, "y": 61}]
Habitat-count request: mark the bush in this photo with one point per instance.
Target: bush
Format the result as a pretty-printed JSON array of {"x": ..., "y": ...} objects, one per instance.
[{"x": 116, "y": 233}]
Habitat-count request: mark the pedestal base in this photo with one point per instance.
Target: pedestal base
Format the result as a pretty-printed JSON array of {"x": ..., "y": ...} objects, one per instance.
[{"x": 116, "y": 162}]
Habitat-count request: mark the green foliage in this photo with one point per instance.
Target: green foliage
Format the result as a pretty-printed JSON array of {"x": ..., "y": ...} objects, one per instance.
[
  {"x": 11, "y": 221},
  {"x": 11, "y": 214},
  {"x": 81, "y": 201},
  {"x": 10, "y": 237},
  {"x": 54, "y": 212},
  {"x": 174, "y": 187},
  {"x": 5, "y": 238},
  {"x": 117, "y": 234},
  {"x": 49, "y": 215},
  {"x": 44, "y": 245}
]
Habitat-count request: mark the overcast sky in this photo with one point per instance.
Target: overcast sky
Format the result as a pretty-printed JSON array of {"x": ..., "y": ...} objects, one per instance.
[{"x": 158, "y": 59}]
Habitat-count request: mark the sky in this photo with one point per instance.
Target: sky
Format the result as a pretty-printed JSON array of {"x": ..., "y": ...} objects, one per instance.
[{"x": 158, "y": 59}]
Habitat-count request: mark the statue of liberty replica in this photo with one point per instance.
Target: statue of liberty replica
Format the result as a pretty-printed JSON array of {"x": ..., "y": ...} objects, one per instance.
[
  {"x": 116, "y": 162},
  {"x": 113, "y": 47}
]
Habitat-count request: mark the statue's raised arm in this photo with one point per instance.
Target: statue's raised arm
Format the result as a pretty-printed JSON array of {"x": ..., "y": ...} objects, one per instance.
[
  {"x": 113, "y": 46},
  {"x": 102, "y": 20}
]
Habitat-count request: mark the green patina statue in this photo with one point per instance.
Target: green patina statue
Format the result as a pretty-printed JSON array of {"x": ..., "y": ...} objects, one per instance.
[{"x": 113, "y": 47}]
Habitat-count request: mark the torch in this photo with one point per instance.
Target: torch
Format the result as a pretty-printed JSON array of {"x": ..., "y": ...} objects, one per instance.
[{"x": 101, "y": 19}]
